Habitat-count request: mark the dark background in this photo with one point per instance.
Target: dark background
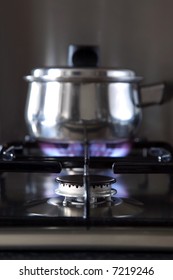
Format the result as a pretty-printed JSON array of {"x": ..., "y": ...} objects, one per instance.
[{"x": 131, "y": 34}]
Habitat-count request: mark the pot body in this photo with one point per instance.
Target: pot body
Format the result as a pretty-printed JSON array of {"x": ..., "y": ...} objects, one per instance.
[{"x": 75, "y": 105}]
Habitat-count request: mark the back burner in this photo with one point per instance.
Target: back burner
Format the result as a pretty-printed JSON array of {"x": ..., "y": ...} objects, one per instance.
[{"x": 96, "y": 149}]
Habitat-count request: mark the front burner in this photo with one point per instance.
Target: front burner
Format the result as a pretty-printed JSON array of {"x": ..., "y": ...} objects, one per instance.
[{"x": 71, "y": 187}]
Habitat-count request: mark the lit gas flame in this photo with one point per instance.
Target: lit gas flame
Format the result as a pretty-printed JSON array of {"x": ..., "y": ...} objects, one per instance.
[
  {"x": 96, "y": 149},
  {"x": 109, "y": 150},
  {"x": 59, "y": 150}
]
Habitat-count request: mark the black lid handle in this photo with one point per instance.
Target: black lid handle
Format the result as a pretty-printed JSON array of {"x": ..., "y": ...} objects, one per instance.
[{"x": 83, "y": 56}]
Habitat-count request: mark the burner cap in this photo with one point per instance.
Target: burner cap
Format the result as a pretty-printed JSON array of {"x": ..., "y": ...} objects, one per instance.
[{"x": 95, "y": 180}]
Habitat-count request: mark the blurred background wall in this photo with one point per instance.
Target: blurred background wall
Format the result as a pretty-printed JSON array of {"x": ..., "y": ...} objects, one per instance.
[{"x": 131, "y": 34}]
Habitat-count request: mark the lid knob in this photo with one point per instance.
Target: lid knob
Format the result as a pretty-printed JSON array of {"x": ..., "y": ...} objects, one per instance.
[{"x": 83, "y": 56}]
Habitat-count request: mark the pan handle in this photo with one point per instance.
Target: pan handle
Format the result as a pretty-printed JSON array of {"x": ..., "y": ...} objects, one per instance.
[{"x": 152, "y": 95}]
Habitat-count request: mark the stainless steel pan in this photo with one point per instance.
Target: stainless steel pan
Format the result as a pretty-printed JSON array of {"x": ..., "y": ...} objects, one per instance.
[{"x": 70, "y": 103}]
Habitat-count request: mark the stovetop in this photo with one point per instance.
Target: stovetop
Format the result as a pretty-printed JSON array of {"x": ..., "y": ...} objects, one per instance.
[{"x": 131, "y": 207}]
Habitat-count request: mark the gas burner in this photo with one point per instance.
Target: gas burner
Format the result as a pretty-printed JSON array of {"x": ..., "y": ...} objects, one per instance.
[
  {"x": 96, "y": 149},
  {"x": 71, "y": 187}
]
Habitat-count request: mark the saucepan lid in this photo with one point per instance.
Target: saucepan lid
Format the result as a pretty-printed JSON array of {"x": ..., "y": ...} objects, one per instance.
[{"x": 83, "y": 75}]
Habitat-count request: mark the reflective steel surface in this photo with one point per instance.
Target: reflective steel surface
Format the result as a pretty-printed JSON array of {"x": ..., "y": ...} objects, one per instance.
[{"x": 63, "y": 103}]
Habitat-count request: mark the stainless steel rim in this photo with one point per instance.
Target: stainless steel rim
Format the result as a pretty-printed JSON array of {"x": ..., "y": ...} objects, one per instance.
[
  {"x": 45, "y": 79},
  {"x": 83, "y": 75}
]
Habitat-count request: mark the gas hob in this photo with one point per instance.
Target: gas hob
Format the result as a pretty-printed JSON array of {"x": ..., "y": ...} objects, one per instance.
[{"x": 96, "y": 194}]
